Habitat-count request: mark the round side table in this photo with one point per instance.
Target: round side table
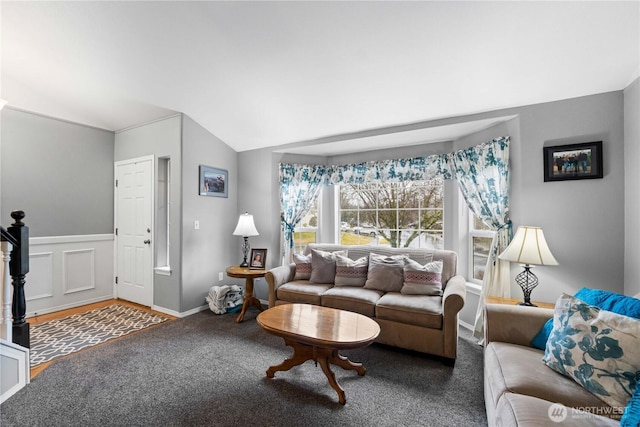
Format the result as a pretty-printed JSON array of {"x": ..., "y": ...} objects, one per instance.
[{"x": 247, "y": 274}]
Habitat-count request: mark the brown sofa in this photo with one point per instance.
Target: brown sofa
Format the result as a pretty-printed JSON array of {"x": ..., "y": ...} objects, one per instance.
[
  {"x": 519, "y": 389},
  {"x": 423, "y": 323}
]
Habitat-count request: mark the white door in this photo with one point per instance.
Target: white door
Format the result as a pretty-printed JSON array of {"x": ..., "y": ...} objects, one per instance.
[{"x": 134, "y": 226}]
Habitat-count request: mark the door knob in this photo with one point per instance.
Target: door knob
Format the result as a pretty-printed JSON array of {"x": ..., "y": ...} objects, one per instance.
[{"x": 147, "y": 242}]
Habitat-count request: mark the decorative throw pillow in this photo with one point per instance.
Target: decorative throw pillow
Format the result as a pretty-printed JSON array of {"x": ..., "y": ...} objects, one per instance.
[
  {"x": 303, "y": 266},
  {"x": 323, "y": 266},
  {"x": 605, "y": 300},
  {"x": 422, "y": 279},
  {"x": 596, "y": 348},
  {"x": 350, "y": 272},
  {"x": 631, "y": 415},
  {"x": 385, "y": 273}
]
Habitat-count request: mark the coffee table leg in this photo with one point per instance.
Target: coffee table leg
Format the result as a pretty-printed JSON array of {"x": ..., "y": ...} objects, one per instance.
[
  {"x": 323, "y": 360},
  {"x": 345, "y": 363},
  {"x": 301, "y": 353}
]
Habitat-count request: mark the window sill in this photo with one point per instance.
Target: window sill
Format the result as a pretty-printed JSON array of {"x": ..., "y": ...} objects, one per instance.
[
  {"x": 163, "y": 271},
  {"x": 474, "y": 288}
]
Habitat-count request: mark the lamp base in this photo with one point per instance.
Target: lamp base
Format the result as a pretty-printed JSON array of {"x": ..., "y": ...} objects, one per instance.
[{"x": 528, "y": 304}]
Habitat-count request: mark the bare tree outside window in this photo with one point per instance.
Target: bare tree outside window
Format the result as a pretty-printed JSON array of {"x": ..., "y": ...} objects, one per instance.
[{"x": 400, "y": 214}]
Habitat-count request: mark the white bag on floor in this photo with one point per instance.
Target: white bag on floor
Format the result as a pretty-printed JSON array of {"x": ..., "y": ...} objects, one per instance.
[{"x": 225, "y": 299}]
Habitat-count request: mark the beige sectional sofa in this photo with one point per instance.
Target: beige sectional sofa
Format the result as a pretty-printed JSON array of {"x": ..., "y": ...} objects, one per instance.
[
  {"x": 424, "y": 323},
  {"x": 519, "y": 389}
]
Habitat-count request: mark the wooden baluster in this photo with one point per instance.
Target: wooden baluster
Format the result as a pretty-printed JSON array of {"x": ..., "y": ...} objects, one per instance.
[
  {"x": 19, "y": 266},
  {"x": 5, "y": 332}
]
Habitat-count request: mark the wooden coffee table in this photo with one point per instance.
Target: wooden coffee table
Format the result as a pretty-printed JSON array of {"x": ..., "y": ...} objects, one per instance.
[{"x": 318, "y": 333}]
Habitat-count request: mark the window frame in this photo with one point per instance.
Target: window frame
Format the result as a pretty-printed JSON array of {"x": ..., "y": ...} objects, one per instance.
[
  {"x": 439, "y": 233},
  {"x": 471, "y": 234}
]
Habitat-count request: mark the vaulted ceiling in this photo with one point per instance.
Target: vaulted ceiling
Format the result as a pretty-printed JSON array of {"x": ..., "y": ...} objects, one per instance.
[{"x": 264, "y": 73}]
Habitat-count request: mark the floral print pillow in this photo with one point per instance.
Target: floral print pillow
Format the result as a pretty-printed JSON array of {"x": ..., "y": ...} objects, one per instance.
[{"x": 598, "y": 349}]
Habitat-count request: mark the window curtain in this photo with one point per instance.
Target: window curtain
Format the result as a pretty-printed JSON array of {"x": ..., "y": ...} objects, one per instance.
[
  {"x": 413, "y": 169},
  {"x": 299, "y": 188},
  {"x": 482, "y": 173}
]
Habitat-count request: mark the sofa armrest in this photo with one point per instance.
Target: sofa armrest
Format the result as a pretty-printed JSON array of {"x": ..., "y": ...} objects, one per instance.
[
  {"x": 514, "y": 324},
  {"x": 454, "y": 296},
  {"x": 453, "y": 299},
  {"x": 276, "y": 277}
]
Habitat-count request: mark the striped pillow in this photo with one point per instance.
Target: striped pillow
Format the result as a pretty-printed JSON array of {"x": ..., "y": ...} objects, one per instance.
[
  {"x": 422, "y": 279},
  {"x": 303, "y": 266},
  {"x": 350, "y": 272}
]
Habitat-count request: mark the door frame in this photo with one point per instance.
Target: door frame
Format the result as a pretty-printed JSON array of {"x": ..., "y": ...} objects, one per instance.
[{"x": 152, "y": 246}]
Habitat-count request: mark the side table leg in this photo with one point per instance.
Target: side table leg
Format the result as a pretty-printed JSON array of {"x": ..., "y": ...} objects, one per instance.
[{"x": 248, "y": 291}]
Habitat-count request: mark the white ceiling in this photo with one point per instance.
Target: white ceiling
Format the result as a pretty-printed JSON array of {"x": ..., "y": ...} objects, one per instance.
[{"x": 258, "y": 74}]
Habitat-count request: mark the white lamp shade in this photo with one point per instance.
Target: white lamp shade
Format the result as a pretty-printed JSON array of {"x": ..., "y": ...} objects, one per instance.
[
  {"x": 529, "y": 247},
  {"x": 245, "y": 227}
]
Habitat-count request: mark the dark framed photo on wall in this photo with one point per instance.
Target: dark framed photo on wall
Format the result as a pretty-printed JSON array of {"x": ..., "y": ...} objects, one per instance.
[
  {"x": 573, "y": 161},
  {"x": 258, "y": 259},
  {"x": 214, "y": 182}
]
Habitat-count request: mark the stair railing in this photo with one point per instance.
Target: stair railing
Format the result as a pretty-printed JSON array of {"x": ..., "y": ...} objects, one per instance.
[{"x": 15, "y": 255}]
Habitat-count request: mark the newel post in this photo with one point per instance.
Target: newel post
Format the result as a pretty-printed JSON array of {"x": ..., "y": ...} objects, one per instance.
[{"x": 19, "y": 267}]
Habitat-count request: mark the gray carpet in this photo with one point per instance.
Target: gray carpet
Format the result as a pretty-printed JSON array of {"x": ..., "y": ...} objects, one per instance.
[{"x": 207, "y": 370}]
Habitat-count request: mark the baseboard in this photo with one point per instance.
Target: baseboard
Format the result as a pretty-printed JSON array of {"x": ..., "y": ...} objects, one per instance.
[
  {"x": 465, "y": 325},
  {"x": 180, "y": 314},
  {"x": 66, "y": 306}
]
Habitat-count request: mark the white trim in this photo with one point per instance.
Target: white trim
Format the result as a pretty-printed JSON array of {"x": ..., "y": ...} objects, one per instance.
[
  {"x": 149, "y": 122},
  {"x": 163, "y": 271},
  {"x": 474, "y": 288},
  {"x": 67, "y": 306},
  {"x": 21, "y": 355},
  {"x": 53, "y": 240},
  {"x": 46, "y": 116},
  {"x": 180, "y": 314},
  {"x": 465, "y": 325}
]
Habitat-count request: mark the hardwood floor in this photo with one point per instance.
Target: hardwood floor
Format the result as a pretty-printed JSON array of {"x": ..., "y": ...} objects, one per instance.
[{"x": 35, "y": 320}]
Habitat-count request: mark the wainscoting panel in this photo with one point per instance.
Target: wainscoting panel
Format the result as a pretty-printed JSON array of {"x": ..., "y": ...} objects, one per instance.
[
  {"x": 78, "y": 270},
  {"x": 40, "y": 277},
  {"x": 68, "y": 271}
]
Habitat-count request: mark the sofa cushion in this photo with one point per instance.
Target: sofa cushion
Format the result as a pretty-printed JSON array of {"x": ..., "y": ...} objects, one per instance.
[
  {"x": 521, "y": 410},
  {"x": 596, "y": 348},
  {"x": 303, "y": 266},
  {"x": 350, "y": 272},
  {"x": 302, "y": 291},
  {"x": 323, "y": 266},
  {"x": 419, "y": 310},
  {"x": 385, "y": 272},
  {"x": 518, "y": 369},
  {"x": 422, "y": 279},
  {"x": 352, "y": 298}
]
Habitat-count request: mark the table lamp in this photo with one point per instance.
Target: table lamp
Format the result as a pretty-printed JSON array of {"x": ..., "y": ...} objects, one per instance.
[
  {"x": 528, "y": 248},
  {"x": 245, "y": 228}
]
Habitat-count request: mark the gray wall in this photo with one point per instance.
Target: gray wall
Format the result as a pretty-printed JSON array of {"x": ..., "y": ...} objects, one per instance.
[
  {"x": 59, "y": 173},
  {"x": 582, "y": 219},
  {"x": 632, "y": 188},
  {"x": 211, "y": 249},
  {"x": 162, "y": 139}
]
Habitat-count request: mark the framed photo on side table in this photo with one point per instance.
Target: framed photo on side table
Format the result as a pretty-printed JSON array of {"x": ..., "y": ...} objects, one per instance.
[
  {"x": 573, "y": 161},
  {"x": 214, "y": 182},
  {"x": 258, "y": 259}
]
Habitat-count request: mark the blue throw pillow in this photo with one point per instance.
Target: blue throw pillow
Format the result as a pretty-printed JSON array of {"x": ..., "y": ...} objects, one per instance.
[
  {"x": 604, "y": 300},
  {"x": 631, "y": 416}
]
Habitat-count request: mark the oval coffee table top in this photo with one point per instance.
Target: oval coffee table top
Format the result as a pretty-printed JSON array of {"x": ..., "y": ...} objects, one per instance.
[{"x": 319, "y": 326}]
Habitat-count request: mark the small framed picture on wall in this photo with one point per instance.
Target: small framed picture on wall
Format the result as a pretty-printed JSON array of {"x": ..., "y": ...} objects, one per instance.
[
  {"x": 214, "y": 182},
  {"x": 573, "y": 161}
]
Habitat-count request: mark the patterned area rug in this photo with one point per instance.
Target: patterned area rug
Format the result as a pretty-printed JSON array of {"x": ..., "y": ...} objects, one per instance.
[{"x": 70, "y": 334}]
